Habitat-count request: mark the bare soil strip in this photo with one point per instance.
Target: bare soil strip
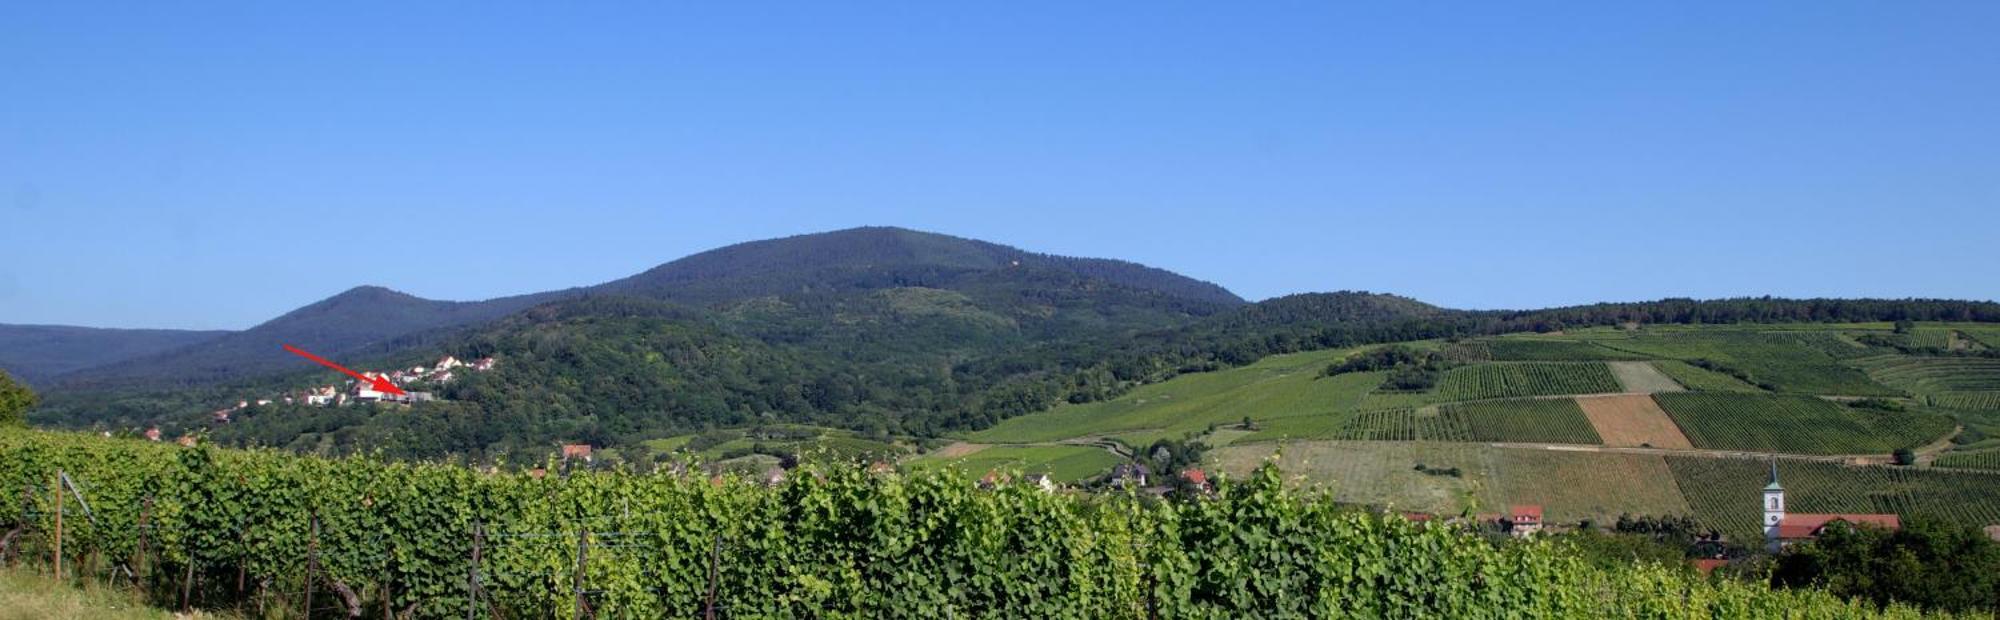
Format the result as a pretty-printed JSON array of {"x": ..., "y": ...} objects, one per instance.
[
  {"x": 959, "y": 449},
  {"x": 1643, "y": 377},
  {"x": 1632, "y": 421}
]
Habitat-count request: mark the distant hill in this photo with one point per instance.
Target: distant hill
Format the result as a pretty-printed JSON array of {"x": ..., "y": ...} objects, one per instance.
[
  {"x": 874, "y": 258},
  {"x": 36, "y": 353},
  {"x": 355, "y": 320}
]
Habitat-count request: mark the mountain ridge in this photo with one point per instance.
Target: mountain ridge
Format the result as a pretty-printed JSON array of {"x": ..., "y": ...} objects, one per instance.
[{"x": 836, "y": 267}]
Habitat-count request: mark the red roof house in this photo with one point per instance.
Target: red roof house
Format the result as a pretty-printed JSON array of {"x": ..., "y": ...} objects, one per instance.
[
  {"x": 1803, "y": 526},
  {"x": 1524, "y": 519}
]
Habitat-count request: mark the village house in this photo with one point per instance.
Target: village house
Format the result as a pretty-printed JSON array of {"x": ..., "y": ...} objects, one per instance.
[
  {"x": 578, "y": 451},
  {"x": 1130, "y": 475},
  {"x": 1197, "y": 479},
  {"x": 153, "y": 433},
  {"x": 1782, "y": 529},
  {"x": 1043, "y": 481},
  {"x": 321, "y": 396},
  {"x": 1524, "y": 519}
]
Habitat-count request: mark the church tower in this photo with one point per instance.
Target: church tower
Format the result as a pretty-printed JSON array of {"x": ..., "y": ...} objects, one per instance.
[{"x": 1774, "y": 508}]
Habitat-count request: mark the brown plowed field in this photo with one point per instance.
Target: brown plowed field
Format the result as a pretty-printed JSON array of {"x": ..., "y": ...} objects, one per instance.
[{"x": 1632, "y": 420}]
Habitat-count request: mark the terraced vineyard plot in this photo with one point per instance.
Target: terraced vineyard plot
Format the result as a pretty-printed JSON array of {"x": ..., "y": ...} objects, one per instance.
[
  {"x": 1724, "y": 492},
  {"x": 1796, "y": 424},
  {"x": 1540, "y": 350},
  {"x": 1966, "y": 400},
  {"x": 1984, "y": 459},
  {"x": 1280, "y": 386},
  {"x": 1537, "y": 420},
  {"x": 1572, "y": 486},
  {"x": 1632, "y": 421},
  {"x": 1511, "y": 380},
  {"x": 1934, "y": 374},
  {"x": 1467, "y": 352},
  {"x": 1701, "y": 380},
  {"x": 1390, "y": 425}
]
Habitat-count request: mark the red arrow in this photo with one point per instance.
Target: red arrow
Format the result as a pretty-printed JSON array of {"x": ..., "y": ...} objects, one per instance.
[{"x": 380, "y": 383}]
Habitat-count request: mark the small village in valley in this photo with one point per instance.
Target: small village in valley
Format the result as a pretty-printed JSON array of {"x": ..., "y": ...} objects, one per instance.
[{"x": 447, "y": 369}]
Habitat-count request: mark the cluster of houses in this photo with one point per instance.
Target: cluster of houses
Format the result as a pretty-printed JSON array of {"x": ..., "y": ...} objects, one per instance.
[{"x": 444, "y": 371}]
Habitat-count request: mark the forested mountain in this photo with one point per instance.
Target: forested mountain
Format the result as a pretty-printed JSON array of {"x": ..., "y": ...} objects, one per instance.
[
  {"x": 824, "y": 288},
  {"x": 882, "y": 257},
  {"x": 355, "y": 320},
  {"x": 35, "y": 353}
]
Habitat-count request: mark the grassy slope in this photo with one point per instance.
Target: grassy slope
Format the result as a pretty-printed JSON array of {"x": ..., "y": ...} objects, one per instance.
[
  {"x": 1570, "y": 486},
  {"x": 27, "y": 595},
  {"x": 1281, "y": 386},
  {"x": 1064, "y": 463}
]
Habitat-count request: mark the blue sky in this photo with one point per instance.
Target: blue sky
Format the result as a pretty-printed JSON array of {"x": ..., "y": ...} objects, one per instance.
[{"x": 213, "y": 165}]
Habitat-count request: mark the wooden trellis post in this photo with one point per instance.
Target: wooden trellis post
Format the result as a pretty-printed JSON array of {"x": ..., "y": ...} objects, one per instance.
[
  {"x": 582, "y": 561},
  {"x": 58, "y": 490}
]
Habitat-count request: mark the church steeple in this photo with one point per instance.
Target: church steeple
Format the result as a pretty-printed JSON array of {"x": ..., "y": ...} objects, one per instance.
[{"x": 1774, "y": 508}]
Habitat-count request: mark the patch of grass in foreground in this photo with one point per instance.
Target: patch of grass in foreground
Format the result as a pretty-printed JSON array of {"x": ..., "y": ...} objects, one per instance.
[{"x": 26, "y": 594}]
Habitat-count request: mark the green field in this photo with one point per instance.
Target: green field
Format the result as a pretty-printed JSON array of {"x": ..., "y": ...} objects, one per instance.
[
  {"x": 1377, "y": 473},
  {"x": 1796, "y": 424},
  {"x": 1067, "y": 464},
  {"x": 1511, "y": 380},
  {"x": 1280, "y": 386},
  {"x": 1986, "y": 335},
  {"x": 809, "y": 442},
  {"x": 1533, "y": 420},
  {"x": 1723, "y": 492},
  {"x": 1701, "y": 380}
]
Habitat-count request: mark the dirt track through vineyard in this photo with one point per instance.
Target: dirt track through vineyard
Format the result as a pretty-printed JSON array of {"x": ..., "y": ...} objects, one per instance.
[{"x": 1632, "y": 420}]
